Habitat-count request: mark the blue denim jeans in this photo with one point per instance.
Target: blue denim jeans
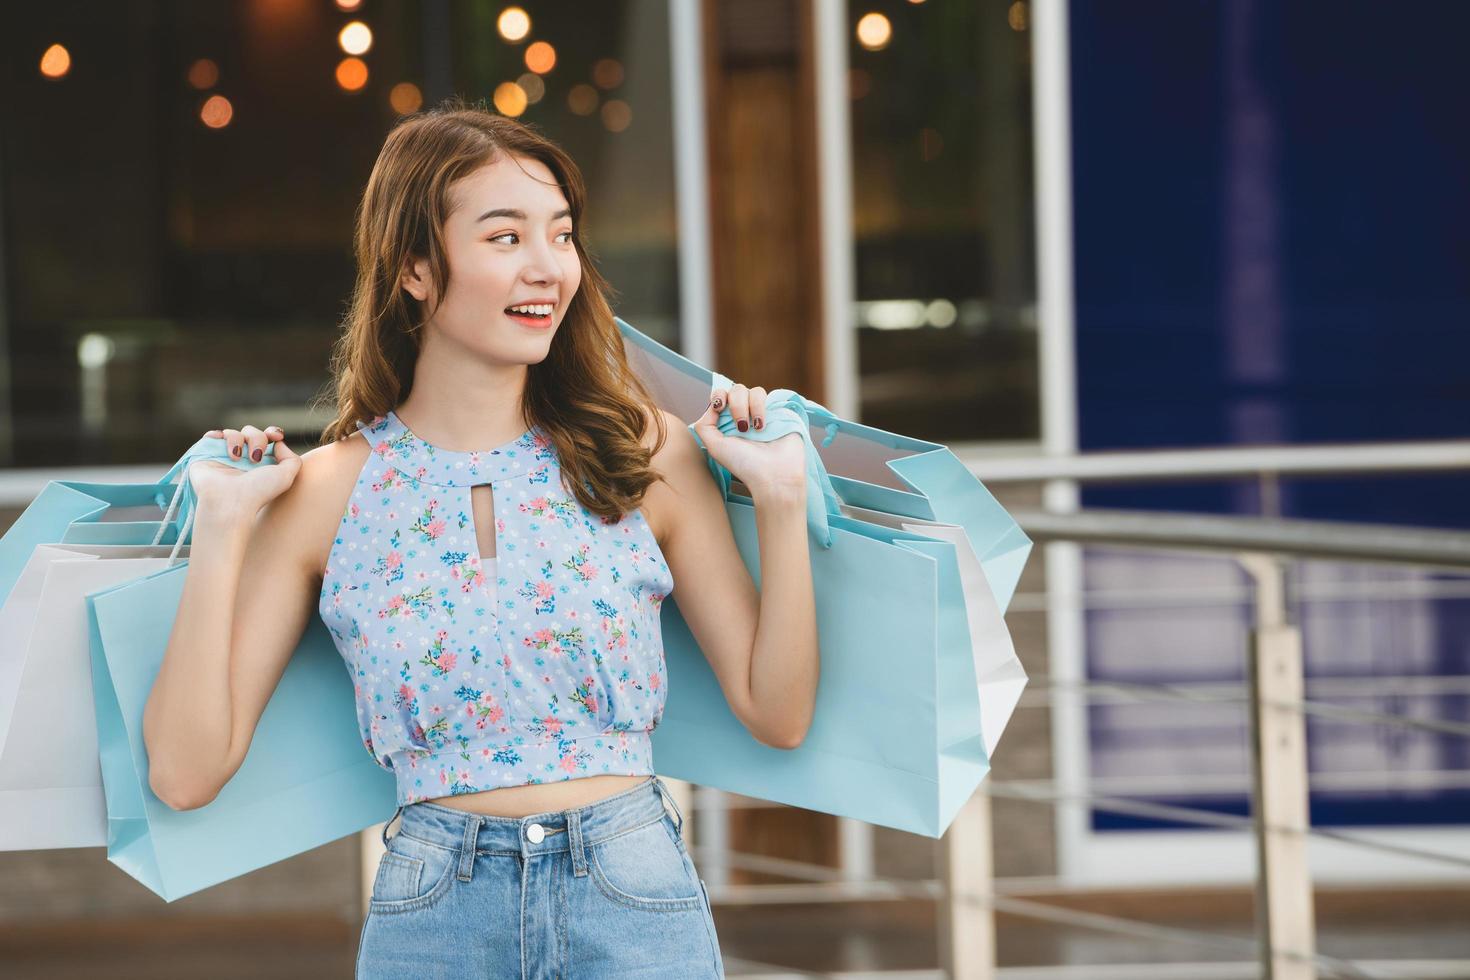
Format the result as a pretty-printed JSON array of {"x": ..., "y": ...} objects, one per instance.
[{"x": 607, "y": 890}]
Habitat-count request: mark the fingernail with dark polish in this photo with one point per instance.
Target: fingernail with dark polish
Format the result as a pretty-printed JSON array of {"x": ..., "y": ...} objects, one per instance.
[
  {"x": 758, "y": 422},
  {"x": 742, "y": 425},
  {"x": 235, "y": 451},
  {"x": 256, "y": 455}
]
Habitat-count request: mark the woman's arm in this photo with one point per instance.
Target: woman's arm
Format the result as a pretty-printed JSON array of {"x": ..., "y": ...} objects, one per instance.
[
  {"x": 762, "y": 645},
  {"x": 784, "y": 662},
  {"x": 251, "y": 584}
]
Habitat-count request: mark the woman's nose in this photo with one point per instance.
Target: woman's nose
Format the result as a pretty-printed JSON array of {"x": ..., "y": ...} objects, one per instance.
[{"x": 542, "y": 265}]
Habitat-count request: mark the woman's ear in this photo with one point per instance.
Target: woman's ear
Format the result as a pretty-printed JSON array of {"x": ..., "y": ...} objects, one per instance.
[{"x": 416, "y": 278}]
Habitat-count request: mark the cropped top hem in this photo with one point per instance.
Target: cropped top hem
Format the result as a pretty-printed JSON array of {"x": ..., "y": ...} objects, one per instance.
[{"x": 425, "y": 775}]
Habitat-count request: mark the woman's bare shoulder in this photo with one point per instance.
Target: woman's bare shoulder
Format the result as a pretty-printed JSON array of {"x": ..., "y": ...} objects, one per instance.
[
  {"x": 658, "y": 500},
  {"x": 318, "y": 497}
]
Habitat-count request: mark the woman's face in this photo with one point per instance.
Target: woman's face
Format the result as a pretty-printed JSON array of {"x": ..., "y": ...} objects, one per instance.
[{"x": 509, "y": 243}]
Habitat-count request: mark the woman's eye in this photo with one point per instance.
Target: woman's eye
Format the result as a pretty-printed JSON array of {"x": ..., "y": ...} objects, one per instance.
[{"x": 511, "y": 234}]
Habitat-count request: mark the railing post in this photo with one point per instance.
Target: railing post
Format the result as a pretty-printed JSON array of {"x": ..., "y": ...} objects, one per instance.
[
  {"x": 966, "y": 920},
  {"x": 1285, "y": 919}
]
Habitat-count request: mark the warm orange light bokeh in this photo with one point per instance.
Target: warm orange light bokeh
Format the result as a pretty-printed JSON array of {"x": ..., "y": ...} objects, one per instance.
[
  {"x": 607, "y": 73},
  {"x": 348, "y": 5},
  {"x": 203, "y": 74},
  {"x": 405, "y": 97},
  {"x": 352, "y": 74},
  {"x": 617, "y": 115},
  {"x": 541, "y": 57},
  {"x": 1016, "y": 16},
  {"x": 55, "y": 62},
  {"x": 510, "y": 98},
  {"x": 582, "y": 99},
  {"x": 216, "y": 112}
]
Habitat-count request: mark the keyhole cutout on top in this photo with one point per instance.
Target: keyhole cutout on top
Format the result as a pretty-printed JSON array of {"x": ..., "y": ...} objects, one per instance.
[{"x": 482, "y": 507}]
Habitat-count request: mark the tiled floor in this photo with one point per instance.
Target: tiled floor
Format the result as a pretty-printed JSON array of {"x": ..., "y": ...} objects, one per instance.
[{"x": 891, "y": 940}]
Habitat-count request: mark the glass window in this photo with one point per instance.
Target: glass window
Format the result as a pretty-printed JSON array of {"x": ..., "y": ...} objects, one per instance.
[
  {"x": 179, "y": 195},
  {"x": 943, "y": 220}
]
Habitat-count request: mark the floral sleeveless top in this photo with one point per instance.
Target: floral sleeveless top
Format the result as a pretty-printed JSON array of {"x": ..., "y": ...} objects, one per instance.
[{"x": 542, "y": 665}]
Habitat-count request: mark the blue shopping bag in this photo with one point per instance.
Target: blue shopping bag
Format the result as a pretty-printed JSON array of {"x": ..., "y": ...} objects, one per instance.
[
  {"x": 73, "y": 512},
  {"x": 306, "y": 781},
  {"x": 79, "y": 512},
  {"x": 864, "y": 466},
  {"x": 904, "y": 722}
]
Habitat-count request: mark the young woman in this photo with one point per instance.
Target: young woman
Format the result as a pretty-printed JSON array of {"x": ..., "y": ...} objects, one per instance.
[{"x": 488, "y": 529}]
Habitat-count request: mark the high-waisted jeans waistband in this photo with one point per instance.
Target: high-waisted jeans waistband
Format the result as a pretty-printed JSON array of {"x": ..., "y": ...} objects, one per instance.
[{"x": 560, "y": 830}]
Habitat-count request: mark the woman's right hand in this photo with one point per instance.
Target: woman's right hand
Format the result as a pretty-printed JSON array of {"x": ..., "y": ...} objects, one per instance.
[{"x": 224, "y": 488}]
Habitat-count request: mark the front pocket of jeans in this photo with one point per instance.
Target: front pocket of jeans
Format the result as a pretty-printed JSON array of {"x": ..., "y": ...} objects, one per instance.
[
  {"x": 644, "y": 869},
  {"x": 412, "y": 875}
]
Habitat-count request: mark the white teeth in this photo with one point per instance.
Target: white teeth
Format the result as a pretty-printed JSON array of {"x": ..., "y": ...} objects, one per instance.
[{"x": 537, "y": 310}]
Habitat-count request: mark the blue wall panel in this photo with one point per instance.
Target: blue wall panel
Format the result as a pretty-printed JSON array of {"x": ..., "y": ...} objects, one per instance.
[{"x": 1272, "y": 239}]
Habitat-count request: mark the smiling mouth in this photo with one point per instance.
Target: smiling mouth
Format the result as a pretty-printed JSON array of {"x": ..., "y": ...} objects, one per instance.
[{"x": 530, "y": 319}]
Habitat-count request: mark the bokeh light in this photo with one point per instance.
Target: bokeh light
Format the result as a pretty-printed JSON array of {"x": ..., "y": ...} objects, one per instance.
[
  {"x": 355, "y": 38},
  {"x": 513, "y": 23},
  {"x": 352, "y": 74},
  {"x": 533, "y": 86},
  {"x": 216, "y": 112},
  {"x": 583, "y": 99},
  {"x": 617, "y": 115},
  {"x": 510, "y": 99},
  {"x": 874, "y": 32},
  {"x": 348, "y": 5},
  {"x": 607, "y": 73},
  {"x": 1017, "y": 16},
  {"x": 203, "y": 74},
  {"x": 541, "y": 57},
  {"x": 55, "y": 62},
  {"x": 405, "y": 97}
]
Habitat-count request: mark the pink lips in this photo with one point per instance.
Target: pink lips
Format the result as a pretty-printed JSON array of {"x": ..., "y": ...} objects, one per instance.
[{"x": 534, "y": 322}]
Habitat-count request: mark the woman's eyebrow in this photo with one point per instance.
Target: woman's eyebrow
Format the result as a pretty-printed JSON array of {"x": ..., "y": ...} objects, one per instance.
[{"x": 518, "y": 214}]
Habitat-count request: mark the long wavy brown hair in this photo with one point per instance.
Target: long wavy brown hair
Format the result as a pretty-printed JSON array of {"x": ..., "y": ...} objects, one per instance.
[{"x": 583, "y": 394}]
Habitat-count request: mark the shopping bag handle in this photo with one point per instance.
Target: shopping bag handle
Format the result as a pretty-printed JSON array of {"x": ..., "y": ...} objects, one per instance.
[
  {"x": 786, "y": 412},
  {"x": 183, "y": 500}
]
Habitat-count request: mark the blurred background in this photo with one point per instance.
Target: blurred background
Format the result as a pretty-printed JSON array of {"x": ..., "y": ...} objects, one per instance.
[{"x": 1185, "y": 282}]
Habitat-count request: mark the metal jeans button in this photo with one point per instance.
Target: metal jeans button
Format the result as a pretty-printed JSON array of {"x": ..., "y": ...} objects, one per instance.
[{"x": 535, "y": 833}]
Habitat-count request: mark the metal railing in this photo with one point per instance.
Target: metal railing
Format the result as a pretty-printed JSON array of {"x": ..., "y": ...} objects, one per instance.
[{"x": 1284, "y": 942}]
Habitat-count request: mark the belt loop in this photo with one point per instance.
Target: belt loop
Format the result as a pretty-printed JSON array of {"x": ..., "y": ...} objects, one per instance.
[
  {"x": 574, "y": 843},
  {"x": 664, "y": 792},
  {"x": 390, "y": 821},
  {"x": 467, "y": 849}
]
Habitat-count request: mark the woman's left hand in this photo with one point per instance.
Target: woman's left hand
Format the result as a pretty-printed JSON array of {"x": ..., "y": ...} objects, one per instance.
[{"x": 778, "y": 465}]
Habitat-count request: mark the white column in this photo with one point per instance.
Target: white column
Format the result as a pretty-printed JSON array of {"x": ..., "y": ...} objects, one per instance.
[
  {"x": 1056, "y": 316},
  {"x": 834, "y": 203},
  {"x": 691, "y": 181}
]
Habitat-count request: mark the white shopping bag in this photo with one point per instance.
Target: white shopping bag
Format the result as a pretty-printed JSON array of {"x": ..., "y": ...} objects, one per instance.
[{"x": 50, "y": 777}]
